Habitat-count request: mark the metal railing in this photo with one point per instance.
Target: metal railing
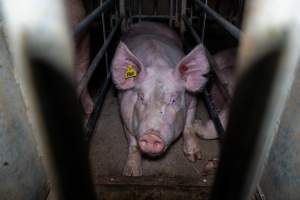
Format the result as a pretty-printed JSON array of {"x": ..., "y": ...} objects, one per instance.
[{"x": 98, "y": 13}]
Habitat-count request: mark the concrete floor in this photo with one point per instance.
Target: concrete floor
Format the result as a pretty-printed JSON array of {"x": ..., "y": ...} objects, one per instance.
[{"x": 108, "y": 150}]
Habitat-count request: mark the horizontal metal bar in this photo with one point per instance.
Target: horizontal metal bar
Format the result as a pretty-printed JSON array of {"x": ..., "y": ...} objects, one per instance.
[
  {"x": 210, "y": 107},
  {"x": 152, "y": 181},
  {"x": 92, "y": 121},
  {"x": 83, "y": 25},
  {"x": 151, "y": 17},
  {"x": 233, "y": 30},
  {"x": 87, "y": 76}
]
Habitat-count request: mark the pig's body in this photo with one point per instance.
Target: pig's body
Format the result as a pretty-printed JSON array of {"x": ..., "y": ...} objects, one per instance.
[
  {"x": 158, "y": 103},
  {"x": 225, "y": 61},
  {"x": 76, "y": 14}
]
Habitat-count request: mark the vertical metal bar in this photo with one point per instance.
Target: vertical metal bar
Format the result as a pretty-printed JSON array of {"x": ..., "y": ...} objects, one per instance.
[
  {"x": 140, "y": 8},
  {"x": 104, "y": 37},
  {"x": 155, "y": 7},
  {"x": 183, "y": 13},
  {"x": 176, "y": 14},
  {"x": 266, "y": 71},
  {"x": 122, "y": 7},
  {"x": 203, "y": 25},
  {"x": 171, "y": 13},
  {"x": 42, "y": 56}
]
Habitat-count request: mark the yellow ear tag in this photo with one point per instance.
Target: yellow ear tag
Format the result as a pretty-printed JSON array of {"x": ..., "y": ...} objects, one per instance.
[{"x": 130, "y": 73}]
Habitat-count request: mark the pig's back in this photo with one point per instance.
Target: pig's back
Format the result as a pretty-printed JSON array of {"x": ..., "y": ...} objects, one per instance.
[
  {"x": 153, "y": 42},
  {"x": 154, "y": 29}
]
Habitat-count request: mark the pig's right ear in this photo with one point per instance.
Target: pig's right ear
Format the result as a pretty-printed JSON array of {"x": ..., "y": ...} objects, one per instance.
[{"x": 127, "y": 70}]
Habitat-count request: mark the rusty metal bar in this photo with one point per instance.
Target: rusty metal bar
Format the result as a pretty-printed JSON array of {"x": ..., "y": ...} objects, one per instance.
[
  {"x": 86, "y": 22},
  {"x": 233, "y": 30},
  {"x": 85, "y": 79}
]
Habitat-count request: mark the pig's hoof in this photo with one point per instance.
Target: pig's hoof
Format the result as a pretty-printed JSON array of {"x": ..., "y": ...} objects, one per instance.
[
  {"x": 132, "y": 169},
  {"x": 193, "y": 156},
  {"x": 191, "y": 148}
]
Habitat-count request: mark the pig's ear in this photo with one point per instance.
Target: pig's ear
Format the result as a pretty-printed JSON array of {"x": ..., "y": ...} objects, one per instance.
[
  {"x": 192, "y": 68},
  {"x": 127, "y": 70}
]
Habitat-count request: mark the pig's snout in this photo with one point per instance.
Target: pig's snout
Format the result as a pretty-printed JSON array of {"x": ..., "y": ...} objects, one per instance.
[{"x": 151, "y": 144}]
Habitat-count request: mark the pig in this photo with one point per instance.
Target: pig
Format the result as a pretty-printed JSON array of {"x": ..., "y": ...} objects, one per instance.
[
  {"x": 225, "y": 61},
  {"x": 157, "y": 85},
  {"x": 77, "y": 12}
]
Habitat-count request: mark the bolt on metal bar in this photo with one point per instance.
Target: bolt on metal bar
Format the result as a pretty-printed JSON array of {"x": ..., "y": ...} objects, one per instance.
[
  {"x": 210, "y": 108},
  {"x": 233, "y": 30},
  {"x": 83, "y": 25},
  {"x": 87, "y": 76}
]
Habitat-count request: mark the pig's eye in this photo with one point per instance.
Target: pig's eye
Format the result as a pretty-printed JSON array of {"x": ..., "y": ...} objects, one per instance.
[
  {"x": 141, "y": 97},
  {"x": 172, "y": 100}
]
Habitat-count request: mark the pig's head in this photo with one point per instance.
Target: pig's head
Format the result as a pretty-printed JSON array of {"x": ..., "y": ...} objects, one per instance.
[{"x": 160, "y": 95}]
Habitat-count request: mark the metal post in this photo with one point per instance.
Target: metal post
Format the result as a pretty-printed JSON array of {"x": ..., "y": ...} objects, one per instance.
[
  {"x": 183, "y": 13},
  {"x": 42, "y": 56},
  {"x": 171, "y": 13},
  {"x": 104, "y": 37},
  {"x": 203, "y": 25},
  {"x": 268, "y": 58}
]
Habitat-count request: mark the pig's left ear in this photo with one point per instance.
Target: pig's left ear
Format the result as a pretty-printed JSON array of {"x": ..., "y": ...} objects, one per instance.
[{"x": 192, "y": 68}]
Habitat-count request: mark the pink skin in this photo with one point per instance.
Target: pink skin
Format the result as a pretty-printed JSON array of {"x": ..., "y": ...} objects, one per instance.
[
  {"x": 226, "y": 62},
  {"x": 158, "y": 104},
  {"x": 76, "y": 14}
]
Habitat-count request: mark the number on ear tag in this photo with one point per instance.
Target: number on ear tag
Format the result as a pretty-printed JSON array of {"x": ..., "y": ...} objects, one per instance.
[{"x": 130, "y": 72}]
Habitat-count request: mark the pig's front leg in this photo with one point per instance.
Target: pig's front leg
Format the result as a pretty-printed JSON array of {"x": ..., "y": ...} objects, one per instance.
[
  {"x": 191, "y": 146},
  {"x": 207, "y": 130},
  {"x": 133, "y": 166}
]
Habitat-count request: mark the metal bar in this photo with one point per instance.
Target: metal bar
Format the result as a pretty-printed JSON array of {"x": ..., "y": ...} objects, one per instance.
[
  {"x": 212, "y": 62},
  {"x": 155, "y": 7},
  {"x": 92, "y": 121},
  {"x": 85, "y": 79},
  {"x": 152, "y": 181},
  {"x": 210, "y": 108},
  {"x": 171, "y": 12},
  {"x": 233, "y": 30},
  {"x": 183, "y": 13},
  {"x": 86, "y": 22},
  {"x": 266, "y": 72},
  {"x": 164, "y": 17},
  {"x": 104, "y": 36},
  {"x": 203, "y": 25},
  {"x": 122, "y": 8},
  {"x": 140, "y": 8}
]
